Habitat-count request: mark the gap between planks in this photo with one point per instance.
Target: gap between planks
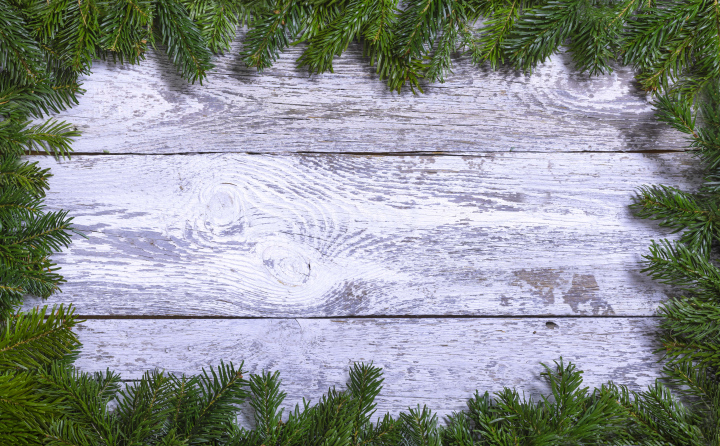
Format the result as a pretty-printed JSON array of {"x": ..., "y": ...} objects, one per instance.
[
  {"x": 351, "y": 153},
  {"x": 371, "y": 316}
]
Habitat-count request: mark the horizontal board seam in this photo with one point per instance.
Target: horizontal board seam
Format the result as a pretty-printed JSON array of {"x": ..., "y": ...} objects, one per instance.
[
  {"x": 388, "y": 154},
  {"x": 373, "y": 316}
]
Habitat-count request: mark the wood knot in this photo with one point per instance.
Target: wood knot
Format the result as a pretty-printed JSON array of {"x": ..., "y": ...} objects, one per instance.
[
  {"x": 287, "y": 265},
  {"x": 222, "y": 209}
]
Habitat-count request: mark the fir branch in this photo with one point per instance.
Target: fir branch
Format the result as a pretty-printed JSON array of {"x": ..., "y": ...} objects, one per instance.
[
  {"x": 674, "y": 110},
  {"x": 678, "y": 53},
  {"x": 539, "y": 31},
  {"x": 85, "y": 398},
  {"x": 441, "y": 60},
  {"x": 458, "y": 430},
  {"x": 711, "y": 185},
  {"x": 21, "y": 405},
  {"x": 700, "y": 353},
  {"x": 597, "y": 39},
  {"x": 676, "y": 47},
  {"x": 365, "y": 385},
  {"x": 184, "y": 392},
  {"x": 660, "y": 418},
  {"x": 143, "y": 408},
  {"x": 419, "y": 427},
  {"x": 500, "y": 18},
  {"x": 41, "y": 235},
  {"x": 336, "y": 36},
  {"x": 16, "y": 206},
  {"x": 320, "y": 15},
  {"x": 31, "y": 340},
  {"x": 51, "y": 137},
  {"x": 266, "y": 399},
  {"x": 219, "y": 391},
  {"x": 469, "y": 43},
  {"x": 416, "y": 30},
  {"x": 24, "y": 176},
  {"x": 66, "y": 433},
  {"x": 700, "y": 382},
  {"x": 185, "y": 45},
  {"x": 126, "y": 29},
  {"x": 488, "y": 426},
  {"x": 676, "y": 264},
  {"x": 387, "y": 431},
  {"x": 17, "y": 102},
  {"x": 379, "y": 46},
  {"x": 271, "y": 31},
  {"x": 680, "y": 211},
  {"x": 691, "y": 332},
  {"x": 298, "y": 424},
  {"x": 330, "y": 421},
  {"x": 677, "y": 42},
  {"x": 218, "y": 20},
  {"x": 418, "y": 26},
  {"x": 39, "y": 279},
  {"x": 706, "y": 136},
  {"x": 573, "y": 416},
  {"x": 20, "y": 56},
  {"x": 78, "y": 36},
  {"x": 693, "y": 320}
]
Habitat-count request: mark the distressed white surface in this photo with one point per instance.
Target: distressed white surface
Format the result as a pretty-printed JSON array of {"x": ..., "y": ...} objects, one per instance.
[
  {"x": 438, "y": 362},
  {"x": 339, "y": 235},
  {"x": 149, "y": 109},
  {"x": 232, "y": 220}
]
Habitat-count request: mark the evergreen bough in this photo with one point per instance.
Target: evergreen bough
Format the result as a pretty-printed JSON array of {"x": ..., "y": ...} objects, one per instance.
[{"x": 46, "y": 45}]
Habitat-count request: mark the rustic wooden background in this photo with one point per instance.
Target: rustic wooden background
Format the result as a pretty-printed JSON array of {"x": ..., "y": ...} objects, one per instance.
[{"x": 456, "y": 238}]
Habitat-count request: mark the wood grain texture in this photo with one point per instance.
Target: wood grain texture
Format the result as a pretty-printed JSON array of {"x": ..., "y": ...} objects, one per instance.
[
  {"x": 340, "y": 235},
  {"x": 533, "y": 220},
  {"x": 438, "y": 362},
  {"x": 149, "y": 109}
]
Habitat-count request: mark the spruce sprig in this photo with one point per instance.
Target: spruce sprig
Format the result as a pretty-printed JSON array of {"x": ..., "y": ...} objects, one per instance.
[
  {"x": 22, "y": 407},
  {"x": 127, "y": 29},
  {"x": 574, "y": 415},
  {"x": 266, "y": 401},
  {"x": 500, "y": 18},
  {"x": 675, "y": 45},
  {"x": 272, "y": 32},
  {"x": 20, "y": 54},
  {"x": 218, "y": 21},
  {"x": 333, "y": 39},
  {"x": 39, "y": 338},
  {"x": 185, "y": 45},
  {"x": 540, "y": 31}
]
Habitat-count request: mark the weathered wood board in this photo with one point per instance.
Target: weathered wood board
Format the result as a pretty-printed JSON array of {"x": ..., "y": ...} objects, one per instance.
[
  {"x": 149, "y": 109},
  {"x": 274, "y": 218},
  {"x": 438, "y": 362},
  {"x": 340, "y": 235}
]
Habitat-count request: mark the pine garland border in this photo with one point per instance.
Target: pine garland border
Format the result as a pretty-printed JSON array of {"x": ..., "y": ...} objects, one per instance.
[{"x": 46, "y": 45}]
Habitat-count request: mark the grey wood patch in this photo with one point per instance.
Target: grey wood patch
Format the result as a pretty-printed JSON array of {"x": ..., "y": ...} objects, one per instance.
[
  {"x": 339, "y": 235},
  {"x": 438, "y": 362},
  {"x": 149, "y": 109}
]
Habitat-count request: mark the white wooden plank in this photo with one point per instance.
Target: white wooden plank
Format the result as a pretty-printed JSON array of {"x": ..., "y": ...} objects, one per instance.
[
  {"x": 438, "y": 362},
  {"x": 149, "y": 109},
  {"x": 303, "y": 235}
]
